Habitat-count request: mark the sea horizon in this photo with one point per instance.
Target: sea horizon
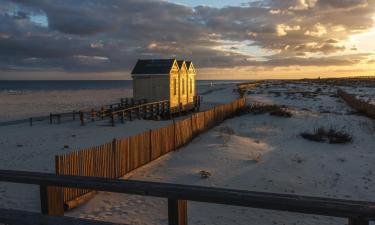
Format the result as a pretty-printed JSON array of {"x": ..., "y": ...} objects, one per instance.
[{"x": 46, "y": 85}]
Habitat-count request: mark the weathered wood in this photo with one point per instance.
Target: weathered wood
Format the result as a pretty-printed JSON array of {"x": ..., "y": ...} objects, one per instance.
[
  {"x": 177, "y": 212},
  {"x": 79, "y": 200},
  {"x": 262, "y": 200},
  {"x": 17, "y": 217},
  {"x": 81, "y": 118},
  {"x": 51, "y": 200}
]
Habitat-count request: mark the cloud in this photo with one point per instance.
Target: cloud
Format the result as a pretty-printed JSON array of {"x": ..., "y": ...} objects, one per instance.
[{"x": 94, "y": 35}]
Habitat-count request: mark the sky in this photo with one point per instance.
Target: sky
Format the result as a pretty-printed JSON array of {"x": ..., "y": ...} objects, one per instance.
[{"x": 102, "y": 39}]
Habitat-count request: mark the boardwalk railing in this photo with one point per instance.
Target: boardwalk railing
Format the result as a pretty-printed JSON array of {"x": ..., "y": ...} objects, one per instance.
[
  {"x": 357, "y": 104},
  {"x": 121, "y": 156},
  {"x": 88, "y": 114},
  {"x": 357, "y": 212}
]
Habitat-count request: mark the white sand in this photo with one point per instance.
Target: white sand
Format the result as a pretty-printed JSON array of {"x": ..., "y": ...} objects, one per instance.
[
  {"x": 33, "y": 148},
  {"x": 263, "y": 154}
]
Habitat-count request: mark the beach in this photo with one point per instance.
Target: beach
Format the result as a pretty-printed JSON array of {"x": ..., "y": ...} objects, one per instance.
[{"x": 250, "y": 152}]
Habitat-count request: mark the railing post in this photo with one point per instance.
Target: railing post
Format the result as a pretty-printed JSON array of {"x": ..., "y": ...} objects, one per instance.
[
  {"x": 81, "y": 117},
  {"x": 177, "y": 212},
  {"x": 51, "y": 200},
  {"x": 113, "y": 119},
  {"x": 358, "y": 221}
]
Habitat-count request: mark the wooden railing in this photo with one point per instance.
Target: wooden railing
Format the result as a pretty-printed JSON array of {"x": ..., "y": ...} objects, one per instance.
[
  {"x": 146, "y": 111},
  {"x": 357, "y": 212},
  {"x": 153, "y": 110}
]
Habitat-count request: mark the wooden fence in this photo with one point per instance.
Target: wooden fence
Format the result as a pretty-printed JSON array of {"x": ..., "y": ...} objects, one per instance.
[
  {"x": 117, "y": 158},
  {"x": 357, "y": 104}
]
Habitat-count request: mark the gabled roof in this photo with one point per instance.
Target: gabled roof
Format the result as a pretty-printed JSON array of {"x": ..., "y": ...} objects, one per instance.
[
  {"x": 188, "y": 63},
  {"x": 153, "y": 66},
  {"x": 181, "y": 63}
]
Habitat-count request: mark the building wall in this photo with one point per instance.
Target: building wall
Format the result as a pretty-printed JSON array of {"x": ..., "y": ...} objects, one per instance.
[
  {"x": 183, "y": 85},
  {"x": 141, "y": 87},
  {"x": 174, "y": 86},
  {"x": 153, "y": 88}
]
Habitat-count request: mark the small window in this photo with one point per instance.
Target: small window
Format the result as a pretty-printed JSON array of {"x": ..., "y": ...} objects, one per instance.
[
  {"x": 174, "y": 86},
  {"x": 191, "y": 85},
  {"x": 183, "y": 86}
]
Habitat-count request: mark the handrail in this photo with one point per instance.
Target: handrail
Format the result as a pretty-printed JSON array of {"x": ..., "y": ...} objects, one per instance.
[
  {"x": 362, "y": 210},
  {"x": 138, "y": 106}
]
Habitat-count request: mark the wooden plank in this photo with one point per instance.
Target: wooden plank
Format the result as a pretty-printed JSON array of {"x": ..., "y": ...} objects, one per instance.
[
  {"x": 51, "y": 200},
  {"x": 177, "y": 212}
]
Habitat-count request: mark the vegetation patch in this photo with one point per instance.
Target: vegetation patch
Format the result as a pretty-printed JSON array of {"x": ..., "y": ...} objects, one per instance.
[
  {"x": 281, "y": 112},
  {"x": 274, "y": 110},
  {"x": 331, "y": 136}
]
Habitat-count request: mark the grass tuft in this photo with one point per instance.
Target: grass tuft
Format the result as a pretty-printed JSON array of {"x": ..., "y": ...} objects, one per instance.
[{"x": 331, "y": 136}]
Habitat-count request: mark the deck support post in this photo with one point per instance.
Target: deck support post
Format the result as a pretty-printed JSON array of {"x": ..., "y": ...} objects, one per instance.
[
  {"x": 51, "y": 200},
  {"x": 177, "y": 212}
]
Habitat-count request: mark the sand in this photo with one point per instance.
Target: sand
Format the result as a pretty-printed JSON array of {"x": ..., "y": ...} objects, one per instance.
[{"x": 251, "y": 152}]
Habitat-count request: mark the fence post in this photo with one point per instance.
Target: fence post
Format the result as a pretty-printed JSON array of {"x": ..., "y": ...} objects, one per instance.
[
  {"x": 174, "y": 135},
  {"x": 358, "y": 221},
  {"x": 177, "y": 212},
  {"x": 114, "y": 165},
  {"x": 81, "y": 117},
  {"x": 150, "y": 143},
  {"x": 113, "y": 119},
  {"x": 50, "y": 118},
  {"x": 31, "y": 121},
  {"x": 51, "y": 200}
]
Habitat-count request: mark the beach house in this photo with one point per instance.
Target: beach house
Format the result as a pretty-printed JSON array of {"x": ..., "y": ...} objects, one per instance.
[{"x": 164, "y": 79}]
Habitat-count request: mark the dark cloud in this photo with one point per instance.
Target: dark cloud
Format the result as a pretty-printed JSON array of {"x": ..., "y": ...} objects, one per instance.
[{"x": 95, "y": 35}]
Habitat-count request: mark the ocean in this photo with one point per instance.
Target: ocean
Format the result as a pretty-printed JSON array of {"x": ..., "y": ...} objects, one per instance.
[{"x": 50, "y": 85}]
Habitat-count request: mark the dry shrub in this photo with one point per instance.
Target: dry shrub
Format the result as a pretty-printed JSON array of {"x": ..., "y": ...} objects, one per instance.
[
  {"x": 227, "y": 130},
  {"x": 281, "y": 112},
  {"x": 256, "y": 158},
  {"x": 331, "y": 136},
  {"x": 204, "y": 174}
]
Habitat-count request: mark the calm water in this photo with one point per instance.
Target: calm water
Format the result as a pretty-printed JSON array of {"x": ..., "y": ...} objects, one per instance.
[{"x": 81, "y": 84}]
